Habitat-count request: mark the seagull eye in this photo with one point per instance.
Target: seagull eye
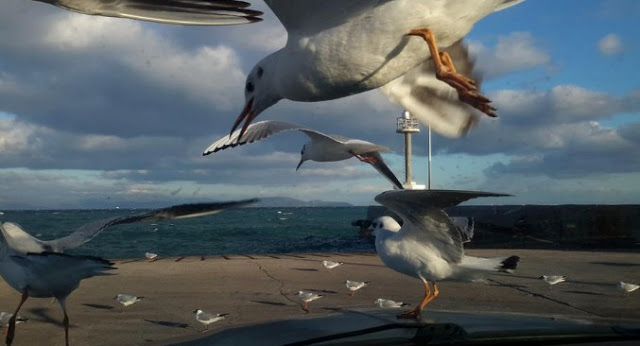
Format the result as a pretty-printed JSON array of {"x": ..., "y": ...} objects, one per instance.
[
  {"x": 260, "y": 72},
  {"x": 249, "y": 88}
]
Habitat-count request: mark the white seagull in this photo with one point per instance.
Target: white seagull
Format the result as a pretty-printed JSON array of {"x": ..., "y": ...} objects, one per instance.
[
  {"x": 127, "y": 299},
  {"x": 428, "y": 246},
  {"x": 331, "y": 264},
  {"x": 389, "y": 304},
  {"x": 21, "y": 241},
  {"x": 553, "y": 279},
  {"x": 337, "y": 48},
  {"x": 308, "y": 297},
  {"x": 207, "y": 318},
  {"x": 150, "y": 256},
  {"x": 353, "y": 286},
  {"x": 626, "y": 287},
  {"x": 44, "y": 275},
  {"x": 320, "y": 148},
  {"x": 183, "y": 12}
]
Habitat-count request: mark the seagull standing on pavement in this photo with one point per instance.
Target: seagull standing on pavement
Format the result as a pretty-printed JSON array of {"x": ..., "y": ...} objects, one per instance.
[
  {"x": 206, "y": 318},
  {"x": 353, "y": 286},
  {"x": 428, "y": 246}
]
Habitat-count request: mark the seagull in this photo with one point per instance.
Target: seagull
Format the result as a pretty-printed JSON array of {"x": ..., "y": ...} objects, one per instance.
[
  {"x": 627, "y": 288},
  {"x": 553, "y": 279},
  {"x": 44, "y": 275},
  {"x": 21, "y": 241},
  {"x": 338, "y": 48},
  {"x": 389, "y": 304},
  {"x": 428, "y": 246},
  {"x": 183, "y": 12},
  {"x": 353, "y": 286},
  {"x": 127, "y": 299},
  {"x": 207, "y": 318},
  {"x": 331, "y": 264},
  {"x": 321, "y": 147},
  {"x": 150, "y": 256},
  {"x": 308, "y": 297}
]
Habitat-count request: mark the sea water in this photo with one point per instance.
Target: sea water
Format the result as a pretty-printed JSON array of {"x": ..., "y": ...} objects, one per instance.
[{"x": 235, "y": 231}]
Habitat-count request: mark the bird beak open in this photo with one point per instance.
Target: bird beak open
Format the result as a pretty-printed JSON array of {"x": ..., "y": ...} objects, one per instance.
[{"x": 247, "y": 115}]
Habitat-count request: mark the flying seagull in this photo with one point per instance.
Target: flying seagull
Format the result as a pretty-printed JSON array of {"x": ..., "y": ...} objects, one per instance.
[
  {"x": 338, "y": 48},
  {"x": 183, "y": 12},
  {"x": 21, "y": 241},
  {"x": 428, "y": 246},
  {"x": 320, "y": 147}
]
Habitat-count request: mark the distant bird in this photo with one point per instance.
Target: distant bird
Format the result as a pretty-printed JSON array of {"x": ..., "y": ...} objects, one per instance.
[
  {"x": 308, "y": 297},
  {"x": 183, "y": 12},
  {"x": 127, "y": 299},
  {"x": 6, "y": 316},
  {"x": 389, "y": 304},
  {"x": 353, "y": 286},
  {"x": 331, "y": 264},
  {"x": 44, "y": 275},
  {"x": 206, "y": 318},
  {"x": 150, "y": 256},
  {"x": 428, "y": 246},
  {"x": 553, "y": 279},
  {"x": 19, "y": 240},
  {"x": 321, "y": 147},
  {"x": 627, "y": 288}
]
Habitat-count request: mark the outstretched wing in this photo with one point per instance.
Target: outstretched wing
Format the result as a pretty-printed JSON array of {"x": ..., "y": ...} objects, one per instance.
[
  {"x": 375, "y": 160},
  {"x": 424, "y": 218},
  {"x": 255, "y": 132},
  {"x": 432, "y": 101},
  {"x": 88, "y": 231},
  {"x": 183, "y": 12}
]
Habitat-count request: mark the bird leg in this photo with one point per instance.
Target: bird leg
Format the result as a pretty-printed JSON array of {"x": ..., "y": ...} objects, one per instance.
[
  {"x": 446, "y": 72},
  {"x": 65, "y": 320},
  {"x": 367, "y": 159},
  {"x": 12, "y": 321},
  {"x": 415, "y": 312}
]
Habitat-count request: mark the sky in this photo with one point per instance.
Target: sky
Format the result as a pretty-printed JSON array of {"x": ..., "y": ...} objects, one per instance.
[{"x": 102, "y": 112}]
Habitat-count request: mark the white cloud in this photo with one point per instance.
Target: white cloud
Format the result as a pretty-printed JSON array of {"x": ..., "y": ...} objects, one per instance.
[
  {"x": 514, "y": 52},
  {"x": 610, "y": 45}
]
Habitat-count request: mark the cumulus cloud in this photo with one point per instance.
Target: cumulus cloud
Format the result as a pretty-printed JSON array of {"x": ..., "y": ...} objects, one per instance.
[
  {"x": 514, "y": 52},
  {"x": 610, "y": 45}
]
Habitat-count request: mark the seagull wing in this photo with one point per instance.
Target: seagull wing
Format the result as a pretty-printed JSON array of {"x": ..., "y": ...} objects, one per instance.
[
  {"x": 424, "y": 217},
  {"x": 308, "y": 17},
  {"x": 183, "y": 12},
  {"x": 255, "y": 132},
  {"x": 375, "y": 160},
  {"x": 90, "y": 230},
  {"x": 20, "y": 241},
  {"x": 432, "y": 101}
]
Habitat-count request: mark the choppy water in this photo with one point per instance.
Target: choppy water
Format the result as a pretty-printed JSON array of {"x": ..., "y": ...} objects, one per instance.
[{"x": 236, "y": 231}]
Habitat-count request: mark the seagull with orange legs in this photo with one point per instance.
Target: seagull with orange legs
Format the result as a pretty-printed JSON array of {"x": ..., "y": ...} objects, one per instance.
[
  {"x": 428, "y": 245},
  {"x": 308, "y": 297},
  {"x": 338, "y": 48},
  {"x": 353, "y": 286}
]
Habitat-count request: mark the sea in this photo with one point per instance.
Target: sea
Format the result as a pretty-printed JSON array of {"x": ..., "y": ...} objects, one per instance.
[{"x": 234, "y": 231}]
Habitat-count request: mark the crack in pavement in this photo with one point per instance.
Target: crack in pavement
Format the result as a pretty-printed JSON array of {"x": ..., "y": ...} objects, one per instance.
[
  {"x": 544, "y": 297},
  {"x": 260, "y": 267}
]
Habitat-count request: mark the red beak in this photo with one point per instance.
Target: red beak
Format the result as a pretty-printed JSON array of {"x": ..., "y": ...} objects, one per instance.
[{"x": 247, "y": 115}]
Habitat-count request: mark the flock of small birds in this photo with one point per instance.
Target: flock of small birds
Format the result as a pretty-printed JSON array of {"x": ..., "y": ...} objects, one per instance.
[{"x": 622, "y": 286}]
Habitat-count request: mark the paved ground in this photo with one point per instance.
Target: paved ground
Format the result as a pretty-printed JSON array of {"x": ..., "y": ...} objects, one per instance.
[{"x": 262, "y": 288}]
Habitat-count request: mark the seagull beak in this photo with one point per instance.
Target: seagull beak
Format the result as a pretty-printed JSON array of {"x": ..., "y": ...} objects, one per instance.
[{"x": 247, "y": 115}]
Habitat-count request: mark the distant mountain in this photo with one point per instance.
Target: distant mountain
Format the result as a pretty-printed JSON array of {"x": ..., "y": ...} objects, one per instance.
[{"x": 286, "y": 202}]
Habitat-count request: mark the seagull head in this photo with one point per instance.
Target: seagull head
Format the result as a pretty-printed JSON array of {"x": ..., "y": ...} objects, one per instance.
[
  {"x": 259, "y": 94},
  {"x": 382, "y": 225}
]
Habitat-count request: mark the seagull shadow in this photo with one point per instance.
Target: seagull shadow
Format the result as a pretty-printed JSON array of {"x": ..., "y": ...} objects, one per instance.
[
  {"x": 305, "y": 269},
  {"x": 585, "y": 292},
  {"x": 99, "y": 306},
  {"x": 42, "y": 315},
  {"x": 169, "y": 324},
  {"x": 616, "y": 264},
  {"x": 320, "y": 291},
  {"x": 269, "y": 303}
]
